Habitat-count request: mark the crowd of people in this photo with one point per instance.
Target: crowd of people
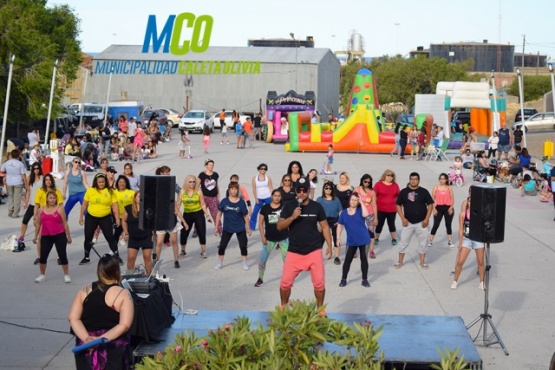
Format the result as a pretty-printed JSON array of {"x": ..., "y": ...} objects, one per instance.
[{"x": 290, "y": 216}]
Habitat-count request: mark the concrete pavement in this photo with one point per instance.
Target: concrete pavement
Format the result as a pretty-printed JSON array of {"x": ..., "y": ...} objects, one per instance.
[{"x": 33, "y": 316}]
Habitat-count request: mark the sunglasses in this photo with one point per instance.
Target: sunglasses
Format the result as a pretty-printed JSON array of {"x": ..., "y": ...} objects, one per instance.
[
  {"x": 366, "y": 182},
  {"x": 301, "y": 190},
  {"x": 263, "y": 169},
  {"x": 76, "y": 162},
  {"x": 327, "y": 188},
  {"x": 288, "y": 180},
  {"x": 390, "y": 174},
  {"x": 192, "y": 182}
]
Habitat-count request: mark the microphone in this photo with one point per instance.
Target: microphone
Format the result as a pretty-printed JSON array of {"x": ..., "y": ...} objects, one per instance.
[{"x": 300, "y": 201}]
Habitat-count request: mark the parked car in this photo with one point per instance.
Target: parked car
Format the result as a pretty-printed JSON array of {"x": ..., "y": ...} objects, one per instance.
[
  {"x": 173, "y": 116},
  {"x": 147, "y": 113},
  {"x": 528, "y": 112},
  {"x": 194, "y": 120},
  {"x": 228, "y": 119},
  {"x": 540, "y": 121}
]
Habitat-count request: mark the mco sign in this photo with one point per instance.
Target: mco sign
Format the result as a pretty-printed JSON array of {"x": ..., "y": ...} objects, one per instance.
[{"x": 170, "y": 37}]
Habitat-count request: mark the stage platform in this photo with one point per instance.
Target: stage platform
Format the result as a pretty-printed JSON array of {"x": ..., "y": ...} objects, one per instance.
[{"x": 408, "y": 342}]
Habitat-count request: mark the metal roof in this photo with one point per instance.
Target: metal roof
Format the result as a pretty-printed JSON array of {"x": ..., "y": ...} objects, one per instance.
[{"x": 220, "y": 53}]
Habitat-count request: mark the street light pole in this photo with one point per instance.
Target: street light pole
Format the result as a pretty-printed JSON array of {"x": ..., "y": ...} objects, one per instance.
[
  {"x": 6, "y": 105},
  {"x": 552, "y": 85},
  {"x": 108, "y": 95},
  {"x": 52, "y": 86},
  {"x": 296, "y": 69},
  {"x": 519, "y": 75},
  {"x": 397, "y": 37},
  {"x": 87, "y": 73},
  {"x": 496, "y": 124}
]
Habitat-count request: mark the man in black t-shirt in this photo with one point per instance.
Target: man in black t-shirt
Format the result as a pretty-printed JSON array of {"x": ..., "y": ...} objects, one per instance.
[
  {"x": 414, "y": 206},
  {"x": 302, "y": 217},
  {"x": 257, "y": 134}
]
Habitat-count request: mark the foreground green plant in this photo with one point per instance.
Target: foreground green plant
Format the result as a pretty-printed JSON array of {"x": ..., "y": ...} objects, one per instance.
[
  {"x": 450, "y": 361},
  {"x": 294, "y": 338}
]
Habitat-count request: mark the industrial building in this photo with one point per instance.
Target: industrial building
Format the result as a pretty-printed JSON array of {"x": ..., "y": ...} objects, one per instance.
[
  {"x": 487, "y": 57},
  {"x": 222, "y": 77}
]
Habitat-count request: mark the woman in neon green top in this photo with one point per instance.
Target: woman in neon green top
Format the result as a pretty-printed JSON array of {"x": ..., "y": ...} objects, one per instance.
[
  {"x": 99, "y": 203},
  {"x": 124, "y": 195},
  {"x": 194, "y": 212}
]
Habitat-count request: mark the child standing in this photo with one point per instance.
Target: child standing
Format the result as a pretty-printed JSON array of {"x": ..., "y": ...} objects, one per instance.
[
  {"x": 330, "y": 158},
  {"x": 183, "y": 144},
  {"x": 414, "y": 147},
  {"x": 224, "y": 134},
  {"x": 206, "y": 138}
]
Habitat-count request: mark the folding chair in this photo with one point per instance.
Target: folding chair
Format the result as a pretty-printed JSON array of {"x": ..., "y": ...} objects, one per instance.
[
  {"x": 440, "y": 152},
  {"x": 430, "y": 152}
]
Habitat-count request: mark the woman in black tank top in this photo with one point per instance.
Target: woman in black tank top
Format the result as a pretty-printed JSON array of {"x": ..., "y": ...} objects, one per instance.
[{"x": 103, "y": 309}]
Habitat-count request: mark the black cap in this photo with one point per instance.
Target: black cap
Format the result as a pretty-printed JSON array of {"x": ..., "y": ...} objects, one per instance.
[
  {"x": 302, "y": 182},
  {"x": 111, "y": 169}
]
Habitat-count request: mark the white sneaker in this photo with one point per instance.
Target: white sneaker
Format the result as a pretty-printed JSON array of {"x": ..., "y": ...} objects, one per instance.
[
  {"x": 218, "y": 266},
  {"x": 245, "y": 266},
  {"x": 451, "y": 245},
  {"x": 481, "y": 286},
  {"x": 67, "y": 279},
  {"x": 429, "y": 245},
  {"x": 94, "y": 241},
  {"x": 454, "y": 285},
  {"x": 40, "y": 279}
]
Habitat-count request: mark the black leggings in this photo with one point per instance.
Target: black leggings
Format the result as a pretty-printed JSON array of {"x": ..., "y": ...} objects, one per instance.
[
  {"x": 390, "y": 217},
  {"x": 403, "y": 145},
  {"x": 196, "y": 218},
  {"x": 28, "y": 214},
  {"x": 351, "y": 250},
  {"x": 46, "y": 244},
  {"x": 332, "y": 222},
  {"x": 105, "y": 224},
  {"x": 241, "y": 238},
  {"x": 443, "y": 211}
]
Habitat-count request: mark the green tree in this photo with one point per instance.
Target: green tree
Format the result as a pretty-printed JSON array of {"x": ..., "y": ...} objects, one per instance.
[
  {"x": 398, "y": 79},
  {"x": 534, "y": 87},
  {"x": 37, "y": 35}
]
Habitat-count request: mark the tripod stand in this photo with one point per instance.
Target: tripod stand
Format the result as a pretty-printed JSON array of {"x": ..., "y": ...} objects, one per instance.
[{"x": 485, "y": 318}]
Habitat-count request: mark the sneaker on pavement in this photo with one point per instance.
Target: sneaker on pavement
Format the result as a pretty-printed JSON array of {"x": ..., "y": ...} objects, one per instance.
[
  {"x": 67, "y": 279},
  {"x": 337, "y": 261},
  {"x": 372, "y": 255},
  {"x": 218, "y": 266},
  {"x": 452, "y": 272},
  {"x": 365, "y": 284},
  {"x": 40, "y": 279},
  {"x": 454, "y": 285},
  {"x": 183, "y": 253},
  {"x": 393, "y": 241},
  {"x": 259, "y": 283},
  {"x": 176, "y": 264},
  {"x": 429, "y": 245},
  {"x": 85, "y": 261},
  {"x": 195, "y": 234},
  {"x": 245, "y": 266},
  {"x": 37, "y": 261},
  {"x": 342, "y": 283},
  {"x": 481, "y": 286},
  {"x": 377, "y": 242},
  {"x": 450, "y": 245},
  {"x": 203, "y": 255}
]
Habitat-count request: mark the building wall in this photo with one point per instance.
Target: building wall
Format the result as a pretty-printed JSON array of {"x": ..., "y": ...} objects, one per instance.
[
  {"x": 485, "y": 55},
  {"x": 243, "y": 92}
]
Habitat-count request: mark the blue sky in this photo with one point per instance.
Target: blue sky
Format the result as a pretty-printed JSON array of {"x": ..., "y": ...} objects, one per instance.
[{"x": 388, "y": 27}]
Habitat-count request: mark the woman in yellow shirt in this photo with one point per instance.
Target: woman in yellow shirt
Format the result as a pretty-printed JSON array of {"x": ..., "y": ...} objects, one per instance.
[
  {"x": 124, "y": 195},
  {"x": 99, "y": 203},
  {"x": 194, "y": 213}
]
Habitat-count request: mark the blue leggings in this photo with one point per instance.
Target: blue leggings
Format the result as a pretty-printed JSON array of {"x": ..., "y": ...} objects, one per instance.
[
  {"x": 267, "y": 248},
  {"x": 253, "y": 223},
  {"x": 72, "y": 201}
]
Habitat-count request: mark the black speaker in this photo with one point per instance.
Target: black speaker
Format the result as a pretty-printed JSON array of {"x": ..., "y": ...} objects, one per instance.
[
  {"x": 157, "y": 203},
  {"x": 487, "y": 213}
]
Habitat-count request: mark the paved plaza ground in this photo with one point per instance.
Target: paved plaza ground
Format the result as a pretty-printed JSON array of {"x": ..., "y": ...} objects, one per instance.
[{"x": 33, "y": 316}]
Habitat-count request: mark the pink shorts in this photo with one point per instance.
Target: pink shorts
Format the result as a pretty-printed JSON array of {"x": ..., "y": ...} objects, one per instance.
[{"x": 295, "y": 263}]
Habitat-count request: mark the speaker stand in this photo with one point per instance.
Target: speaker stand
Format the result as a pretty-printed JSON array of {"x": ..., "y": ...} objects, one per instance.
[{"x": 485, "y": 318}]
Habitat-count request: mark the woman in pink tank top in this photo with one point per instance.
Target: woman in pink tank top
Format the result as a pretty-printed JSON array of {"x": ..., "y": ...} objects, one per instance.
[
  {"x": 443, "y": 197},
  {"x": 54, "y": 231}
]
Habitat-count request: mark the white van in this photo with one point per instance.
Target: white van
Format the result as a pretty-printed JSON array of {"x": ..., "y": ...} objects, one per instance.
[{"x": 93, "y": 113}]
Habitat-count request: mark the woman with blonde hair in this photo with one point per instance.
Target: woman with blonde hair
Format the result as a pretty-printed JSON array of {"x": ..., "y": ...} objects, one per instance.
[
  {"x": 386, "y": 190},
  {"x": 136, "y": 237},
  {"x": 195, "y": 213},
  {"x": 343, "y": 189}
]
